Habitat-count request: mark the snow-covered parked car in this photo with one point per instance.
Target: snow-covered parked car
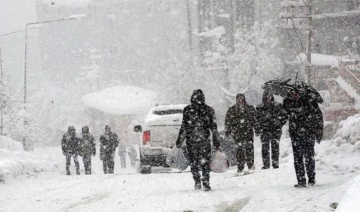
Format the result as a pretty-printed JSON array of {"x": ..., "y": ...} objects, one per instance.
[{"x": 159, "y": 134}]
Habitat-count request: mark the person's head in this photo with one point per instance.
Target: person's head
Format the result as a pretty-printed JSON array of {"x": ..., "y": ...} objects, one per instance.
[
  {"x": 240, "y": 99},
  {"x": 295, "y": 95},
  {"x": 198, "y": 97},
  {"x": 268, "y": 98},
  {"x": 85, "y": 129},
  {"x": 107, "y": 129},
  {"x": 71, "y": 130}
]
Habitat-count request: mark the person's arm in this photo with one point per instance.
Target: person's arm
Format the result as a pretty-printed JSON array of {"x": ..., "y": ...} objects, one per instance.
[
  {"x": 63, "y": 144},
  {"x": 93, "y": 145},
  {"x": 228, "y": 123},
  {"x": 319, "y": 124},
  {"x": 257, "y": 117},
  {"x": 213, "y": 128},
  {"x": 183, "y": 129}
]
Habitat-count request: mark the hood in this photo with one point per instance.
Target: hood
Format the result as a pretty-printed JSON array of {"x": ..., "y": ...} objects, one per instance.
[
  {"x": 267, "y": 95},
  {"x": 197, "y": 98}
]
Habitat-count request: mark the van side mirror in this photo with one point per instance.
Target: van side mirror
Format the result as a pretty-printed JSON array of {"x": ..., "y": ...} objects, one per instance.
[{"x": 137, "y": 128}]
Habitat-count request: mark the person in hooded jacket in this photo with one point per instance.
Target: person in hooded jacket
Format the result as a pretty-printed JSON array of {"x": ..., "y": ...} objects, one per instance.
[
  {"x": 270, "y": 118},
  {"x": 198, "y": 124},
  {"x": 305, "y": 127},
  {"x": 240, "y": 123},
  {"x": 108, "y": 143},
  {"x": 70, "y": 148},
  {"x": 87, "y": 147}
]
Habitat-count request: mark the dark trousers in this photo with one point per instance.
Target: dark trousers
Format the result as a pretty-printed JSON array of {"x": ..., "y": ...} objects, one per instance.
[
  {"x": 108, "y": 164},
  {"x": 123, "y": 159},
  {"x": 304, "y": 152},
  {"x": 245, "y": 154},
  {"x": 87, "y": 163},
  {"x": 200, "y": 161},
  {"x": 68, "y": 162},
  {"x": 267, "y": 142}
]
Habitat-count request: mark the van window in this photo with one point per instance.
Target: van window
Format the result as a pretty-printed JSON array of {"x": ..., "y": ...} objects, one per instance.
[{"x": 167, "y": 112}]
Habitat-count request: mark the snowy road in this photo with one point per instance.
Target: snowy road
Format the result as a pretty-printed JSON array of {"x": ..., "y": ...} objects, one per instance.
[{"x": 269, "y": 190}]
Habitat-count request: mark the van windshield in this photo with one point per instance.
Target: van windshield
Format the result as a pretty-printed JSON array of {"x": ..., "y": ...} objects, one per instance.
[{"x": 167, "y": 112}]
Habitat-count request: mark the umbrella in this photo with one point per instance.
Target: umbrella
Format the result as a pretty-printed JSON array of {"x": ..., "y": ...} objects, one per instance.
[
  {"x": 283, "y": 87},
  {"x": 278, "y": 87},
  {"x": 306, "y": 89}
]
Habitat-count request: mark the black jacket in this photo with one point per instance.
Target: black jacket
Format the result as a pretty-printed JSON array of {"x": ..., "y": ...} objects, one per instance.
[
  {"x": 87, "y": 144},
  {"x": 70, "y": 143},
  {"x": 240, "y": 122},
  {"x": 270, "y": 119},
  {"x": 197, "y": 124},
  {"x": 108, "y": 144},
  {"x": 305, "y": 119}
]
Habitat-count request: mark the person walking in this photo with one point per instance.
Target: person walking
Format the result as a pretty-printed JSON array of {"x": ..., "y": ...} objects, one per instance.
[
  {"x": 305, "y": 127},
  {"x": 108, "y": 143},
  {"x": 240, "y": 123},
  {"x": 70, "y": 149},
  {"x": 198, "y": 124},
  {"x": 270, "y": 117},
  {"x": 87, "y": 147}
]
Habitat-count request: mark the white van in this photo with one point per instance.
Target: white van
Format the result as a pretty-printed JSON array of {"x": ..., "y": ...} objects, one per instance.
[{"x": 159, "y": 134}]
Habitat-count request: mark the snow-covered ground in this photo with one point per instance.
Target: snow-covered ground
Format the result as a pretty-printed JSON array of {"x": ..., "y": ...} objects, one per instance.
[{"x": 263, "y": 190}]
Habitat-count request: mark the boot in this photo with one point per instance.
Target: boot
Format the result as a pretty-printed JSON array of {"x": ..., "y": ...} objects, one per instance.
[
  {"x": 312, "y": 182},
  {"x": 265, "y": 167},
  {"x": 206, "y": 186},
  {"x": 197, "y": 185},
  {"x": 300, "y": 185}
]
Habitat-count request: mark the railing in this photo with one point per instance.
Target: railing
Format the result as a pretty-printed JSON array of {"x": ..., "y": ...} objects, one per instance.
[{"x": 350, "y": 72}]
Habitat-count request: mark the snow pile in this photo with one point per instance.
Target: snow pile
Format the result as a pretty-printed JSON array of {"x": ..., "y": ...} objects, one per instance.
[
  {"x": 8, "y": 143},
  {"x": 349, "y": 132},
  {"x": 14, "y": 161},
  {"x": 121, "y": 100},
  {"x": 350, "y": 202},
  {"x": 342, "y": 152}
]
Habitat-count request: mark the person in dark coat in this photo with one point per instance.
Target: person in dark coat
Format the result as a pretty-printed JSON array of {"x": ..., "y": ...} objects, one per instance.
[
  {"x": 270, "y": 118},
  {"x": 305, "y": 127},
  {"x": 108, "y": 143},
  {"x": 240, "y": 123},
  {"x": 198, "y": 124},
  {"x": 87, "y": 147},
  {"x": 70, "y": 148}
]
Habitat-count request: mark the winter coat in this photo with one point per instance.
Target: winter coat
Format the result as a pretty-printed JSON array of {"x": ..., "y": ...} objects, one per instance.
[
  {"x": 108, "y": 144},
  {"x": 270, "y": 119},
  {"x": 87, "y": 144},
  {"x": 197, "y": 124},
  {"x": 240, "y": 123},
  {"x": 70, "y": 144},
  {"x": 305, "y": 119}
]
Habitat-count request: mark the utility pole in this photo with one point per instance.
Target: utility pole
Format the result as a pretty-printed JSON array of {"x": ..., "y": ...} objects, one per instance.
[
  {"x": 298, "y": 15},
  {"x": 188, "y": 13},
  {"x": 308, "y": 67}
]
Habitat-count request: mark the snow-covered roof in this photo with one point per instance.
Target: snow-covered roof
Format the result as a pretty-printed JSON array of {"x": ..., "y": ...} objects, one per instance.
[
  {"x": 323, "y": 60},
  {"x": 337, "y": 15},
  {"x": 169, "y": 107},
  {"x": 121, "y": 100}
]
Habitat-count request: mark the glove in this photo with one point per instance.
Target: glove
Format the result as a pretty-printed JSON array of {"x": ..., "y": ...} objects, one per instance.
[
  {"x": 64, "y": 153},
  {"x": 94, "y": 154},
  {"x": 318, "y": 140}
]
